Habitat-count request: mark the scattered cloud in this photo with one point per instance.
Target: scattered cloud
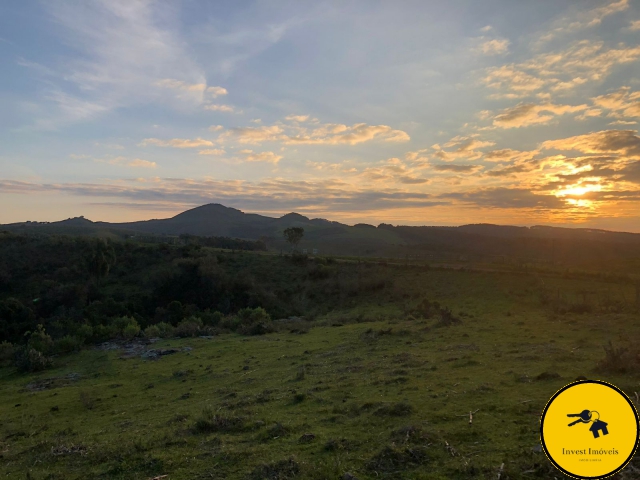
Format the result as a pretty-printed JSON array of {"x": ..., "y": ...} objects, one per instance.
[
  {"x": 507, "y": 198},
  {"x": 635, "y": 25},
  {"x": 220, "y": 108},
  {"x": 176, "y": 143},
  {"x": 509, "y": 155},
  {"x": 181, "y": 85},
  {"x": 216, "y": 128},
  {"x": 585, "y": 19},
  {"x": 251, "y": 156},
  {"x": 216, "y": 91},
  {"x": 297, "y": 118},
  {"x": 212, "y": 151},
  {"x": 126, "y": 162},
  {"x": 452, "y": 167},
  {"x": 621, "y": 104},
  {"x": 326, "y": 134},
  {"x": 526, "y": 114},
  {"x": 497, "y": 46},
  {"x": 623, "y": 142},
  {"x": 559, "y": 72}
]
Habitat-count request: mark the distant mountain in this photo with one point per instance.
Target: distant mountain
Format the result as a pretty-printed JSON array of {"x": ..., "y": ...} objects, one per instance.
[{"x": 538, "y": 243}]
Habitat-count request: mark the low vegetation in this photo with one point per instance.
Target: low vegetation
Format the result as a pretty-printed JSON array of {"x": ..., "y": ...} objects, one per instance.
[{"x": 200, "y": 363}]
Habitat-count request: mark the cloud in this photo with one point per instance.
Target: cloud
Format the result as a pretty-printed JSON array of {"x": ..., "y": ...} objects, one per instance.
[
  {"x": 494, "y": 47},
  {"x": 526, "y": 114},
  {"x": 117, "y": 50},
  {"x": 212, "y": 151},
  {"x": 488, "y": 28},
  {"x": 251, "y": 156},
  {"x": 507, "y": 198},
  {"x": 584, "y": 61},
  {"x": 589, "y": 113},
  {"x": 268, "y": 195},
  {"x": 125, "y": 162},
  {"x": 509, "y": 155},
  {"x": 216, "y": 128},
  {"x": 176, "y": 143},
  {"x": 138, "y": 162},
  {"x": 220, "y": 108},
  {"x": 255, "y": 135},
  {"x": 635, "y": 25},
  {"x": 451, "y": 167},
  {"x": 582, "y": 20},
  {"x": 216, "y": 91},
  {"x": 181, "y": 85},
  {"x": 464, "y": 147},
  {"x": 336, "y": 134},
  {"x": 297, "y": 118},
  {"x": 325, "y": 134},
  {"x": 622, "y": 142},
  {"x": 621, "y": 103}
]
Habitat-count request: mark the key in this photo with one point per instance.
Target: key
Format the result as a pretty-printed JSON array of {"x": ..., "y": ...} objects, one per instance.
[{"x": 584, "y": 417}]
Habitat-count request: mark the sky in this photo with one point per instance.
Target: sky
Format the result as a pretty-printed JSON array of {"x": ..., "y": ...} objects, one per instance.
[{"x": 443, "y": 112}]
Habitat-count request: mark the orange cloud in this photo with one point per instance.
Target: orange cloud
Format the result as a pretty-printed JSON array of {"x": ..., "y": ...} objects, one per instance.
[
  {"x": 176, "y": 143},
  {"x": 526, "y": 114}
]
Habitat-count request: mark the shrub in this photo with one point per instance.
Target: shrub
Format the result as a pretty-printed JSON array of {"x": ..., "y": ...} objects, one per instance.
[
  {"x": 152, "y": 331},
  {"x": 212, "y": 318},
  {"x": 102, "y": 333},
  {"x": 618, "y": 359},
  {"x": 31, "y": 360},
  {"x": 189, "y": 327},
  {"x": 131, "y": 330},
  {"x": 210, "y": 423},
  {"x": 7, "y": 352},
  {"x": 67, "y": 344},
  {"x": 84, "y": 332},
  {"x": 166, "y": 330},
  {"x": 39, "y": 340}
]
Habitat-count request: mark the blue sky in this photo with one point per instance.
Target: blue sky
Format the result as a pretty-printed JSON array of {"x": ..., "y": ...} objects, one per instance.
[{"x": 439, "y": 112}]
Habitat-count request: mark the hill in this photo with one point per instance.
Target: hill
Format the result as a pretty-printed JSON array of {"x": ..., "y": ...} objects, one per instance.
[{"x": 477, "y": 242}]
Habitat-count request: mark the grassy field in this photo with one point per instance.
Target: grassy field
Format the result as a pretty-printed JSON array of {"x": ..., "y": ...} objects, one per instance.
[{"x": 371, "y": 391}]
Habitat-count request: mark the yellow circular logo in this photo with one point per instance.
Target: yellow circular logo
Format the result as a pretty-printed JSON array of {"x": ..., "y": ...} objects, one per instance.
[{"x": 589, "y": 429}]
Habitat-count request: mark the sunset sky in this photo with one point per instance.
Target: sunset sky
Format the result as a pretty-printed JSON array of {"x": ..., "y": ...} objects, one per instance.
[{"x": 439, "y": 112}]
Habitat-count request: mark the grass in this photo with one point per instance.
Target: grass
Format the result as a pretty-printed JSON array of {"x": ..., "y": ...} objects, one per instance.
[{"x": 371, "y": 391}]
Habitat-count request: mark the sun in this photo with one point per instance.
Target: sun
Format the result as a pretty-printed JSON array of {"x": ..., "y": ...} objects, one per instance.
[{"x": 578, "y": 190}]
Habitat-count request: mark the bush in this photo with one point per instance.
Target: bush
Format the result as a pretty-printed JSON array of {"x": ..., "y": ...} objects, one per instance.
[
  {"x": 84, "y": 332},
  {"x": 189, "y": 327},
  {"x": 131, "y": 330},
  {"x": 212, "y": 319},
  {"x": 7, "y": 352},
  {"x": 254, "y": 321},
  {"x": 31, "y": 360},
  {"x": 67, "y": 344},
  {"x": 166, "y": 330},
  {"x": 39, "y": 340},
  {"x": 102, "y": 333},
  {"x": 152, "y": 331}
]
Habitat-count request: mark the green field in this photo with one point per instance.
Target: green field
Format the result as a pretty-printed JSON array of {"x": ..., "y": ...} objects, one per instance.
[{"x": 367, "y": 388}]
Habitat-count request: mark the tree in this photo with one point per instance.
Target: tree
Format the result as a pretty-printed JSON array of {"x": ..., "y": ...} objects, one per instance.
[
  {"x": 293, "y": 235},
  {"x": 101, "y": 259}
]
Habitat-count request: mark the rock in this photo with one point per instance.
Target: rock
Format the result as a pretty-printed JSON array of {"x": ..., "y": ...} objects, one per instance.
[
  {"x": 349, "y": 476},
  {"x": 187, "y": 349},
  {"x": 537, "y": 449}
]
